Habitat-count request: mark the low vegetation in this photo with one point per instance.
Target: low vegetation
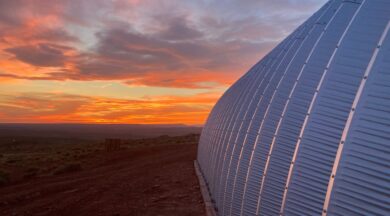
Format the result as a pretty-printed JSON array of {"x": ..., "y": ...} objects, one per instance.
[
  {"x": 4, "y": 178},
  {"x": 29, "y": 158},
  {"x": 68, "y": 168}
]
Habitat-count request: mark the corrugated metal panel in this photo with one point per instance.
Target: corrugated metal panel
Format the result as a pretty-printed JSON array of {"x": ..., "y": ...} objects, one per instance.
[
  {"x": 361, "y": 171},
  {"x": 220, "y": 125},
  {"x": 234, "y": 124},
  {"x": 266, "y": 96},
  {"x": 330, "y": 111},
  {"x": 281, "y": 123},
  {"x": 225, "y": 130},
  {"x": 271, "y": 191},
  {"x": 296, "y": 107}
]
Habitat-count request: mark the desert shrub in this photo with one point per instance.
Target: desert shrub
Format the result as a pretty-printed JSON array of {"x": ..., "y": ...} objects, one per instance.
[
  {"x": 11, "y": 161},
  {"x": 68, "y": 168},
  {"x": 31, "y": 173},
  {"x": 4, "y": 177},
  {"x": 32, "y": 169}
]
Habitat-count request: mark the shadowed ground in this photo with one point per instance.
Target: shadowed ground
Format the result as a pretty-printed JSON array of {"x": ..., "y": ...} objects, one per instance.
[{"x": 146, "y": 177}]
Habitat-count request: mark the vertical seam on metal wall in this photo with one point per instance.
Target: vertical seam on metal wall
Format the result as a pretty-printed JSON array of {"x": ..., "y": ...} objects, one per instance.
[
  {"x": 269, "y": 154},
  {"x": 257, "y": 106},
  {"x": 350, "y": 118},
  {"x": 266, "y": 112},
  {"x": 310, "y": 108},
  {"x": 234, "y": 120},
  {"x": 219, "y": 147},
  {"x": 214, "y": 143},
  {"x": 257, "y": 137},
  {"x": 287, "y": 102},
  {"x": 221, "y": 126},
  {"x": 269, "y": 70},
  {"x": 282, "y": 78},
  {"x": 226, "y": 127}
]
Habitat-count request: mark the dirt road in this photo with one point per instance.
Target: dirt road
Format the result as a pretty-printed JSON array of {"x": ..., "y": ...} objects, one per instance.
[{"x": 156, "y": 180}]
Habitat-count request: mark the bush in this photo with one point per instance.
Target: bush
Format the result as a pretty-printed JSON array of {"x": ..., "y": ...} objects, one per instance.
[
  {"x": 30, "y": 173},
  {"x": 74, "y": 167},
  {"x": 4, "y": 178}
]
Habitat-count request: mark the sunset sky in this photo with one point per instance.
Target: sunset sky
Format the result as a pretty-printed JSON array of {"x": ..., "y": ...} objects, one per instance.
[{"x": 132, "y": 61}]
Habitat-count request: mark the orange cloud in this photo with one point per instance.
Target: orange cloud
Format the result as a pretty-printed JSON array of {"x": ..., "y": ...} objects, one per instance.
[
  {"x": 51, "y": 108},
  {"x": 178, "y": 54},
  {"x": 192, "y": 45}
]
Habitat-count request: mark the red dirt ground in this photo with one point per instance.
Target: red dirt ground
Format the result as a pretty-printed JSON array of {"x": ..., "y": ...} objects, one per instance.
[{"x": 156, "y": 180}]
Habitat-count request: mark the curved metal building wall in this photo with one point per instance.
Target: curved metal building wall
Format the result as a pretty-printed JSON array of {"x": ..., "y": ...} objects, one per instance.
[{"x": 307, "y": 130}]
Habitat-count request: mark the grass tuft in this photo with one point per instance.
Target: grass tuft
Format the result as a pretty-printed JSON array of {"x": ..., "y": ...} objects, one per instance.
[
  {"x": 4, "y": 177},
  {"x": 68, "y": 168}
]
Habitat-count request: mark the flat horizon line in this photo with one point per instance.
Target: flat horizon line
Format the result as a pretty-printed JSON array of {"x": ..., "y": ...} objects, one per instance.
[{"x": 97, "y": 123}]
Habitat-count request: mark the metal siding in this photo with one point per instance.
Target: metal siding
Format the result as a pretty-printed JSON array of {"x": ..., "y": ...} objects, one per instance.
[
  {"x": 226, "y": 129},
  {"x": 361, "y": 184},
  {"x": 271, "y": 191},
  {"x": 330, "y": 112},
  {"x": 269, "y": 144},
  {"x": 224, "y": 187},
  {"x": 267, "y": 95}
]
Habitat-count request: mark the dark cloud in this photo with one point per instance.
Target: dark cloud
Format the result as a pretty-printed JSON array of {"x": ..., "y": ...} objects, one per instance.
[
  {"x": 54, "y": 35},
  {"x": 147, "y": 42},
  {"x": 45, "y": 55},
  {"x": 179, "y": 28},
  {"x": 135, "y": 49},
  {"x": 124, "y": 54},
  {"x": 11, "y": 12}
]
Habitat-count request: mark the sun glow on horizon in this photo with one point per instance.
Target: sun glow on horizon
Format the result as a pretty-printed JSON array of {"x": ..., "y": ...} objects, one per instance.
[{"x": 136, "y": 62}]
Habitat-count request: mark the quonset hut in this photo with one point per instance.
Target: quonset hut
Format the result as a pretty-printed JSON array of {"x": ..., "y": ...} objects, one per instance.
[{"x": 307, "y": 130}]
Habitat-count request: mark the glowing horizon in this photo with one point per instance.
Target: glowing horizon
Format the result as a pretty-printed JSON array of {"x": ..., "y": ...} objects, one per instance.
[{"x": 130, "y": 61}]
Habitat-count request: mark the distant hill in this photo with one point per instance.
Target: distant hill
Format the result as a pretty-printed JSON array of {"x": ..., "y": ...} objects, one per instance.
[{"x": 94, "y": 131}]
